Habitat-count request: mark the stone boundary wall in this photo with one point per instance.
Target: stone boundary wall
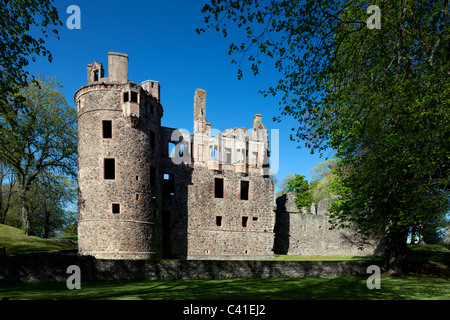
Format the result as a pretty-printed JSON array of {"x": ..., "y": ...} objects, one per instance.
[{"x": 53, "y": 266}]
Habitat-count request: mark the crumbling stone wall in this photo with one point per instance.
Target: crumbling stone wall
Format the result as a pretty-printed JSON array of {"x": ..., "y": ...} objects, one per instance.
[{"x": 308, "y": 233}]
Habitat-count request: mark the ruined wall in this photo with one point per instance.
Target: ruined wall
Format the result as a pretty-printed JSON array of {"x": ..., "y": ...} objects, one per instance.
[
  {"x": 245, "y": 229},
  {"x": 308, "y": 233}
]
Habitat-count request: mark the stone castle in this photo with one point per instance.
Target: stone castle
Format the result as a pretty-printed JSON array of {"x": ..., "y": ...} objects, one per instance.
[{"x": 150, "y": 192}]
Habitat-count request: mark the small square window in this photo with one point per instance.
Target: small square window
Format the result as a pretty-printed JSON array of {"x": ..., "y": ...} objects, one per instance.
[{"x": 115, "y": 208}]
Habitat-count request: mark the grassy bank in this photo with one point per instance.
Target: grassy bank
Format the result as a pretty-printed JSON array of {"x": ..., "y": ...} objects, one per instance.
[{"x": 15, "y": 241}]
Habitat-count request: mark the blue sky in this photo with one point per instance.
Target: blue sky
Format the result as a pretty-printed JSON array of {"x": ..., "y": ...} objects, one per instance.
[{"x": 160, "y": 40}]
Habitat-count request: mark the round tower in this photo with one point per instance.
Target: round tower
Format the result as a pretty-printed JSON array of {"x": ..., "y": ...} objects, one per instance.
[{"x": 119, "y": 129}]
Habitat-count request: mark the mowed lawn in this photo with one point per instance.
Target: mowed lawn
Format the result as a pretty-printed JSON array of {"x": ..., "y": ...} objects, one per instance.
[{"x": 333, "y": 288}]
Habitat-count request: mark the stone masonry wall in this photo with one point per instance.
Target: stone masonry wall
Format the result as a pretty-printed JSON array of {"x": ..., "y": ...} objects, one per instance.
[
  {"x": 308, "y": 233},
  {"x": 53, "y": 267},
  {"x": 233, "y": 237},
  {"x": 134, "y": 231}
]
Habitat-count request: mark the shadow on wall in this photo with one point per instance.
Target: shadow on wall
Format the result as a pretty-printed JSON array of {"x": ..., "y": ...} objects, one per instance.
[
  {"x": 307, "y": 233},
  {"x": 176, "y": 179}
]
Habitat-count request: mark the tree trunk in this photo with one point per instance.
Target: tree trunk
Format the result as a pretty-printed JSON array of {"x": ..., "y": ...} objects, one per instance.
[
  {"x": 396, "y": 253},
  {"x": 24, "y": 210}
]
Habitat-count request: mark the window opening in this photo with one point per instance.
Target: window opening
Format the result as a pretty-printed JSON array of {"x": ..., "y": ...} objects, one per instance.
[
  {"x": 218, "y": 187},
  {"x": 115, "y": 208},
  {"x": 109, "y": 169},
  {"x": 107, "y": 129},
  {"x": 134, "y": 97},
  {"x": 244, "y": 221},
  {"x": 244, "y": 190}
]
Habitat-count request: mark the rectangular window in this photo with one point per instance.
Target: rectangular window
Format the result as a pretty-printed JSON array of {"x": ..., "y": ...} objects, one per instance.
[
  {"x": 134, "y": 97},
  {"x": 137, "y": 196},
  {"x": 152, "y": 176},
  {"x": 126, "y": 97},
  {"x": 218, "y": 221},
  {"x": 96, "y": 76},
  {"x": 218, "y": 187},
  {"x": 255, "y": 159},
  {"x": 107, "y": 129},
  {"x": 228, "y": 155},
  {"x": 244, "y": 221},
  {"x": 115, "y": 208},
  {"x": 255, "y": 219},
  {"x": 152, "y": 140},
  {"x": 109, "y": 167},
  {"x": 244, "y": 190}
]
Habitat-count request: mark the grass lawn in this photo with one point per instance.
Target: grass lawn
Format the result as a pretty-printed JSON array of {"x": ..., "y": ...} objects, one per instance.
[
  {"x": 333, "y": 288},
  {"x": 15, "y": 241}
]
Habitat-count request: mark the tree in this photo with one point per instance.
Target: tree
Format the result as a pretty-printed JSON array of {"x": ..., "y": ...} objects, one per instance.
[
  {"x": 298, "y": 185},
  {"x": 378, "y": 97},
  {"x": 19, "y": 42},
  {"x": 39, "y": 137},
  {"x": 6, "y": 190},
  {"x": 323, "y": 178}
]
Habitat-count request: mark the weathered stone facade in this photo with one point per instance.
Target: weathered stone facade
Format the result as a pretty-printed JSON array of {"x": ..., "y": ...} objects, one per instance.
[
  {"x": 308, "y": 233},
  {"x": 147, "y": 191}
]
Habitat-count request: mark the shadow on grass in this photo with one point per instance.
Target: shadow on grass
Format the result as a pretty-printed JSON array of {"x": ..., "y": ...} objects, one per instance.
[{"x": 336, "y": 288}]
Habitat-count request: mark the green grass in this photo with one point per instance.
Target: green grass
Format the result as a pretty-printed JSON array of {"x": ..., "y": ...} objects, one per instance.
[
  {"x": 333, "y": 288},
  {"x": 324, "y": 258},
  {"x": 15, "y": 241}
]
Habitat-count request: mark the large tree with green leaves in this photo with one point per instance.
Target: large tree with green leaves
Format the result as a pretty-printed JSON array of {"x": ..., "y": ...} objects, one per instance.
[
  {"x": 39, "y": 138},
  {"x": 24, "y": 26},
  {"x": 380, "y": 98}
]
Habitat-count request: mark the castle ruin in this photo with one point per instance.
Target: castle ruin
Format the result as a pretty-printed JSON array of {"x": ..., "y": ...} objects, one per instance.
[{"x": 149, "y": 192}]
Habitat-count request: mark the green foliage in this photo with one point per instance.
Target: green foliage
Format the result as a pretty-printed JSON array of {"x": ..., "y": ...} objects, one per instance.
[
  {"x": 323, "y": 179},
  {"x": 24, "y": 26},
  {"x": 379, "y": 97},
  {"x": 298, "y": 185},
  {"x": 39, "y": 142}
]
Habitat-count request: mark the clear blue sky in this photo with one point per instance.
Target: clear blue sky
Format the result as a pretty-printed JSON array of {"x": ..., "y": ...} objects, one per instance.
[{"x": 160, "y": 40}]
